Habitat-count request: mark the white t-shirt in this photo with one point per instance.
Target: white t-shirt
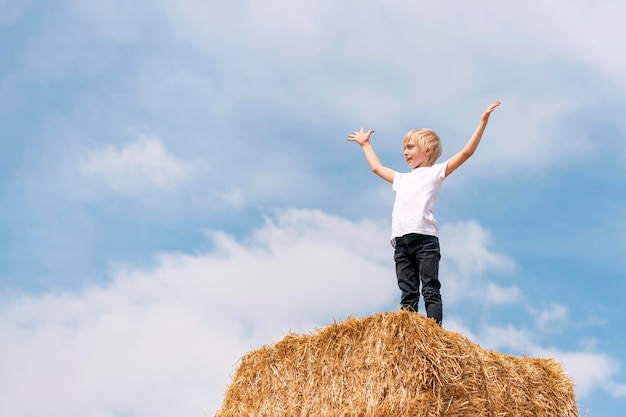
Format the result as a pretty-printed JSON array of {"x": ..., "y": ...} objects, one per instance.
[{"x": 416, "y": 193}]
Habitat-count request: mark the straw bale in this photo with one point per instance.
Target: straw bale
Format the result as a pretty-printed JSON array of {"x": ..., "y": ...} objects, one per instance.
[{"x": 396, "y": 364}]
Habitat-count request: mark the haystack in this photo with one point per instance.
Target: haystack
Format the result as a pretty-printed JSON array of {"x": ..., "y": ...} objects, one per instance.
[{"x": 392, "y": 365}]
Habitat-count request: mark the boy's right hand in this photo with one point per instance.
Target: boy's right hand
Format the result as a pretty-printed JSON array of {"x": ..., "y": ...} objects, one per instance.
[{"x": 361, "y": 137}]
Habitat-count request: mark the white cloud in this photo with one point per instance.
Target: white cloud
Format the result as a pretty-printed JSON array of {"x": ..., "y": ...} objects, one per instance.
[
  {"x": 373, "y": 105},
  {"x": 551, "y": 318},
  {"x": 307, "y": 65},
  {"x": 589, "y": 31},
  {"x": 617, "y": 390},
  {"x": 233, "y": 198},
  {"x": 503, "y": 295},
  {"x": 140, "y": 166},
  {"x": 163, "y": 340},
  {"x": 534, "y": 140},
  {"x": 510, "y": 338},
  {"x": 465, "y": 257},
  {"x": 456, "y": 324},
  {"x": 395, "y": 43},
  {"x": 589, "y": 370}
]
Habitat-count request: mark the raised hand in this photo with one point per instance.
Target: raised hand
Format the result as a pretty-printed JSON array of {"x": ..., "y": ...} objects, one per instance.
[
  {"x": 361, "y": 137},
  {"x": 490, "y": 109},
  {"x": 459, "y": 158}
]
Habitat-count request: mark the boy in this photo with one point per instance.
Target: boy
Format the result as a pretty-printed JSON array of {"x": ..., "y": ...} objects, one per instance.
[{"x": 414, "y": 233}]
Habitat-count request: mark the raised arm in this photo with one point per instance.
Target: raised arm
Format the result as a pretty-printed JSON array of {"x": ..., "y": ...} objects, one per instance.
[
  {"x": 469, "y": 149},
  {"x": 363, "y": 139}
]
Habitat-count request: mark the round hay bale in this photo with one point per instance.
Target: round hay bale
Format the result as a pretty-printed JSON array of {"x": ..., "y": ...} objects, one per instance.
[{"x": 393, "y": 364}]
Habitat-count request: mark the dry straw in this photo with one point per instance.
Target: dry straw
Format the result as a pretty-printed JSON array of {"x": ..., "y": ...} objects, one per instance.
[{"x": 394, "y": 365}]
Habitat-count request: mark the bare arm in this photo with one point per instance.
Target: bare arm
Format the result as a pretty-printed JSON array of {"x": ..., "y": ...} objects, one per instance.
[
  {"x": 469, "y": 149},
  {"x": 363, "y": 139}
]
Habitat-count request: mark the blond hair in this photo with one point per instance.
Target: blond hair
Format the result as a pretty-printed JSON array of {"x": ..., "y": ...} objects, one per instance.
[{"x": 425, "y": 138}]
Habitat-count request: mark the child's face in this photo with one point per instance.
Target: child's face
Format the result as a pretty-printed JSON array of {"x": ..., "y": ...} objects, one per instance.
[{"x": 415, "y": 156}]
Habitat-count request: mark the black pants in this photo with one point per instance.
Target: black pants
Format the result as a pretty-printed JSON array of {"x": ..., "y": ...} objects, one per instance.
[{"x": 417, "y": 261}]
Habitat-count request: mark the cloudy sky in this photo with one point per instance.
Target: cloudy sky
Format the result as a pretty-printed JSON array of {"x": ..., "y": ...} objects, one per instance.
[{"x": 176, "y": 187}]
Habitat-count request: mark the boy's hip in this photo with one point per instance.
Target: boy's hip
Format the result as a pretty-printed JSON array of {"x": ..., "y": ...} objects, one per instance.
[{"x": 416, "y": 242}]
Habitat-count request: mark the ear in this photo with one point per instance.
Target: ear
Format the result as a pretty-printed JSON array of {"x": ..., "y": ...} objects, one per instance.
[{"x": 429, "y": 151}]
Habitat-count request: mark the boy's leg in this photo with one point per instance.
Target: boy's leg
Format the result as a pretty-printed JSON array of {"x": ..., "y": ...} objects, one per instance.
[
  {"x": 428, "y": 258},
  {"x": 406, "y": 272}
]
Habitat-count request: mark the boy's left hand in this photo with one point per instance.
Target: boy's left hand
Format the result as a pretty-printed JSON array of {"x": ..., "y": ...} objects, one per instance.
[{"x": 489, "y": 110}]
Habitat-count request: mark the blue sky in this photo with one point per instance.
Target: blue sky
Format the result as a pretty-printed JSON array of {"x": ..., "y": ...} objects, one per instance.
[{"x": 177, "y": 189}]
